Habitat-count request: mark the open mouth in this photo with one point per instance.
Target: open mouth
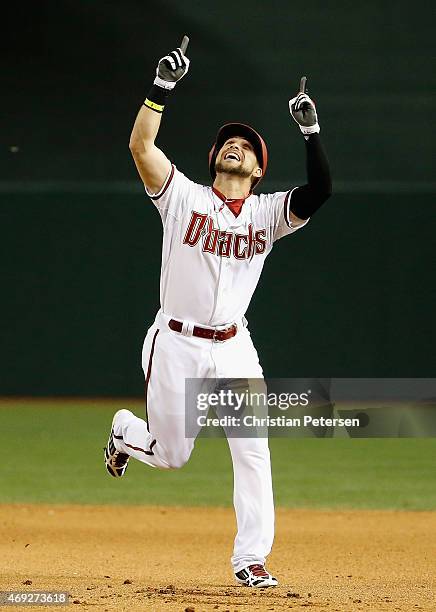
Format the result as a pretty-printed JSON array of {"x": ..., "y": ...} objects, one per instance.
[{"x": 232, "y": 155}]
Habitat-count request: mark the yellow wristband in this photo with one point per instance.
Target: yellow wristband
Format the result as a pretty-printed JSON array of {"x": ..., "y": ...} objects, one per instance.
[{"x": 156, "y": 107}]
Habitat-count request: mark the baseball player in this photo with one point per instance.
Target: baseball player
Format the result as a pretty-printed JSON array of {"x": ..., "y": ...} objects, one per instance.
[{"x": 215, "y": 241}]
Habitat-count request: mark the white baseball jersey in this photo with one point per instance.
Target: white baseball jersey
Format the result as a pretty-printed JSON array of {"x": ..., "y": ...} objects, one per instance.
[{"x": 212, "y": 260}]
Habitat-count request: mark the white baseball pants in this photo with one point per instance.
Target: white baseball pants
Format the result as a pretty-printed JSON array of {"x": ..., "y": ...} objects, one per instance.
[{"x": 168, "y": 358}]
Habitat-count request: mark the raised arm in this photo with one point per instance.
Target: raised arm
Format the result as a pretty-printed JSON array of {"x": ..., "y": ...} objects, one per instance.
[
  {"x": 306, "y": 200},
  {"x": 152, "y": 164}
]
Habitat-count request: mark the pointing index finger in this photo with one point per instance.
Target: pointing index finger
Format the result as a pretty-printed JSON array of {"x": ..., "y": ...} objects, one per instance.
[
  {"x": 303, "y": 81},
  {"x": 184, "y": 44}
]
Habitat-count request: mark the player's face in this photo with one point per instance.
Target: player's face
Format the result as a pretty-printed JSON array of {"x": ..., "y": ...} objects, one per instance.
[{"x": 237, "y": 156}]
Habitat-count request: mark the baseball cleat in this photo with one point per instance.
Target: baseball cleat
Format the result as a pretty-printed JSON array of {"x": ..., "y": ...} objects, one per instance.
[
  {"x": 115, "y": 461},
  {"x": 256, "y": 576}
]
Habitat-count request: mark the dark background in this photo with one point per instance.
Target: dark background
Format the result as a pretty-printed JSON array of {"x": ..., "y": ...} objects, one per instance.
[{"x": 350, "y": 295}]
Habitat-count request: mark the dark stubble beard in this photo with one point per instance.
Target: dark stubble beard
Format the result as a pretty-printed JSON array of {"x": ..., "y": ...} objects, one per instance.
[{"x": 234, "y": 170}]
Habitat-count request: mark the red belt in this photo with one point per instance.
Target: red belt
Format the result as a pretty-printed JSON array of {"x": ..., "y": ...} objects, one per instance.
[{"x": 217, "y": 335}]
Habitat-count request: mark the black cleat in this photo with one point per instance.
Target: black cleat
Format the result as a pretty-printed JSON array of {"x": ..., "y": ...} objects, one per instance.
[
  {"x": 115, "y": 461},
  {"x": 256, "y": 576}
]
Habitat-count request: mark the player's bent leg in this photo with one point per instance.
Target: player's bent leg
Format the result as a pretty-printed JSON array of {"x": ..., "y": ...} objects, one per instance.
[
  {"x": 132, "y": 438},
  {"x": 167, "y": 359}
]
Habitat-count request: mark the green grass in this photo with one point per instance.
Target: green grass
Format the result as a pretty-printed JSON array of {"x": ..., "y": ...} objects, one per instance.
[{"x": 52, "y": 453}]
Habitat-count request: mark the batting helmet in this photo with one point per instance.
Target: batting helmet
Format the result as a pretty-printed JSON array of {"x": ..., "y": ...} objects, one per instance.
[{"x": 244, "y": 131}]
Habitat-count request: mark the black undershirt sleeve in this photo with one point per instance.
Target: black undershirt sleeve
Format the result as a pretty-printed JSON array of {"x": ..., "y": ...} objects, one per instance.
[{"x": 306, "y": 200}]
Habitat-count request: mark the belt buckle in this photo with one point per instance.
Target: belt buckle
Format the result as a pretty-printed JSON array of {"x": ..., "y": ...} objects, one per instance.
[
  {"x": 214, "y": 337},
  {"x": 215, "y": 331}
]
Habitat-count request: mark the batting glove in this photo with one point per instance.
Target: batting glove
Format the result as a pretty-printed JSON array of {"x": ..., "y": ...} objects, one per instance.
[
  {"x": 303, "y": 111},
  {"x": 172, "y": 67}
]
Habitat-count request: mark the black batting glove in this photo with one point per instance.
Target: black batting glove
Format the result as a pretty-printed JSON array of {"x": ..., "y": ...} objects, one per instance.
[
  {"x": 172, "y": 67},
  {"x": 303, "y": 110}
]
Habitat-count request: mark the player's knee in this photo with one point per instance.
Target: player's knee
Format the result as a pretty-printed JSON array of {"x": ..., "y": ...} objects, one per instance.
[{"x": 177, "y": 460}]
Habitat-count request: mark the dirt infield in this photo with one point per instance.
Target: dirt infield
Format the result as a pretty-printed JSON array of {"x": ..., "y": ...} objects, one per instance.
[{"x": 176, "y": 559}]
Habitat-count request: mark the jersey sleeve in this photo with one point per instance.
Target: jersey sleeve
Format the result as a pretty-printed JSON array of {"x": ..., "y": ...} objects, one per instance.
[
  {"x": 279, "y": 209},
  {"x": 173, "y": 196}
]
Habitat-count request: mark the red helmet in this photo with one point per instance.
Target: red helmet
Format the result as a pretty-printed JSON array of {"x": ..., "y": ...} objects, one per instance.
[{"x": 244, "y": 131}]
